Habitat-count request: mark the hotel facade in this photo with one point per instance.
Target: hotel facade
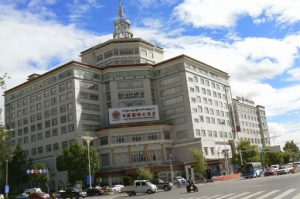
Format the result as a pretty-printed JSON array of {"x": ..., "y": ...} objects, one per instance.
[{"x": 142, "y": 109}]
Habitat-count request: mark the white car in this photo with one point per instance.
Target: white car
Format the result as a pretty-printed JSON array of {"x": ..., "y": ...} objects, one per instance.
[
  {"x": 1, "y": 196},
  {"x": 117, "y": 188}
]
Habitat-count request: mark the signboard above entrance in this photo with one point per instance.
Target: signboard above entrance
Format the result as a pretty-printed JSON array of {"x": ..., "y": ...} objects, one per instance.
[{"x": 133, "y": 114}]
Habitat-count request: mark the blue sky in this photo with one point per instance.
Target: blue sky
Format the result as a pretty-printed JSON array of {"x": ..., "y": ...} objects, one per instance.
[{"x": 256, "y": 41}]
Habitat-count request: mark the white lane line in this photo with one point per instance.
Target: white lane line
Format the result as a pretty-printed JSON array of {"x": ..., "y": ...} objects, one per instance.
[
  {"x": 213, "y": 197},
  {"x": 225, "y": 196},
  {"x": 252, "y": 195},
  {"x": 268, "y": 194},
  {"x": 284, "y": 194},
  {"x": 239, "y": 195},
  {"x": 296, "y": 196}
]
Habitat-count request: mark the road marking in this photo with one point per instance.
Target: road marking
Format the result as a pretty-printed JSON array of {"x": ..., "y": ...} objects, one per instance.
[
  {"x": 239, "y": 195},
  {"x": 254, "y": 194},
  {"x": 296, "y": 196},
  {"x": 213, "y": 197},
  {"x": 225, "y": 196},
  {"x": 268, "y": 194},
  {"x": 285, "y": 193}
]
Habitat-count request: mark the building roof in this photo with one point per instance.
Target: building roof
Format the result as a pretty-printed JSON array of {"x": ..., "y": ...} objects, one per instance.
[
  {"x": 38, "y": 77},
  {"x": 112, "y": 41}
]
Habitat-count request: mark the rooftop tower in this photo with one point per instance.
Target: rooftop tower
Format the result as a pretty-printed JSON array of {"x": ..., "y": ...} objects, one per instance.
[{"x": 122, "y": 25}]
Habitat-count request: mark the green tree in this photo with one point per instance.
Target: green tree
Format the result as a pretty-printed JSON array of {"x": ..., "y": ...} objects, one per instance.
[
  {"x": 5, "y": 153},
  {"x": 200, "y": 164},
  {"x": 249, "y": 153},
  {"x": 291, "y": 147},
  {"x": 17, "y": 170},
  {"x": 40, "y": 177},
  {"x": 76, "y": 159},
  {"x": 144, "y": 173}
]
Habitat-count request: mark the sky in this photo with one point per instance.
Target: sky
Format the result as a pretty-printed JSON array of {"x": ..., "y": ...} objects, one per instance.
[{"x": 256, "y": 41}]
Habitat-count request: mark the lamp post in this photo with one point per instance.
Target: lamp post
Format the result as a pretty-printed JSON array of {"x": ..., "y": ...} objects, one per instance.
[
  {"x": 88, "y": 139},
  {"x": 171, "y": 168}
]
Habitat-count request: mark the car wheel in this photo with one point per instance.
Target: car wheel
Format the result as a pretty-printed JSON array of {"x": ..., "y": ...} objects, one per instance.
[
  {"x": 166, "y": 188},
  {"x": 149, "y": 191}
]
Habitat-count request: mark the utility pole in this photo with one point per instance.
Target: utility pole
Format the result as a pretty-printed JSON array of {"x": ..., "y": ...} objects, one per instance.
[
  {"x": 171, "y": 168},
  {"x": 88, "y": 139}
]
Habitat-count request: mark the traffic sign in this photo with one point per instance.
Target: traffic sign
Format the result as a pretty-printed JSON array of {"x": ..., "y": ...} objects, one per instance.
[{"x": 6, "y": 189}]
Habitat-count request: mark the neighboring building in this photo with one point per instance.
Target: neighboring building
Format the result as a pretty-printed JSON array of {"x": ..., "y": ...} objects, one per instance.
[
  {"x": 145, "y": 111},
  {"x": 251, "y": 122}
]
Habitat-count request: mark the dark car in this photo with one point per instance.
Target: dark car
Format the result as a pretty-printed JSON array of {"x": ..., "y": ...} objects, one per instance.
[
  {"x": 270, "y": 171},
  {"x": 166, "y": 186},
  {"x": 94, "y": 191}
]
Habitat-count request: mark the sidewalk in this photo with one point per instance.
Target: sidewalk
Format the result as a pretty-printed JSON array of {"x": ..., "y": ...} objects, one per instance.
[{"x": 226, "y": 177}]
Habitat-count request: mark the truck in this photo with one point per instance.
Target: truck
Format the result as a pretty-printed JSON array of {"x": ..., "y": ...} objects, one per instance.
[
  {"x": 140, "y": 186},
  {"x": 166, "y": 186}
]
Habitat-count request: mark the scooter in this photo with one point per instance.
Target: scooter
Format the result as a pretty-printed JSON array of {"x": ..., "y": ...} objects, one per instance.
[{"x": 191, "y": 187}]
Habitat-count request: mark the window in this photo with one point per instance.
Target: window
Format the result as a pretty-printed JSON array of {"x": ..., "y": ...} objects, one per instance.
[
  {"x": 63, "y": 108},
  {"x": 212, "y": 150},
  {"x": 47, "y": 134},
  {"x": 54, "y": 132},
  {"x": 53, "y": 101},
  {"x": 48, "y": 148},
  {"x": 206, "y": 150},
  {"x": 64, "y": 144},
  {"x": 54, "y": 121},
  {"x": 55, "y": 147},
  {"x": 47, "y": 124},
  {"x": 46, "y": 93},
  {"x": 39, "y": 136},
  {"x": 40, "y": 150},
  {"x": 63, "y": 119},
  {"x": 33, "y": 138},
  {"x": 71, "y": 128},
  {"x": 63, "y": 129},
  {"x": 120, "y": 140},
  {"x": 62, "y": 87},
  {"x": 47, "y": 113},
  {"x": 136, "y": 138},
  {"x": 104, "y": 140}
]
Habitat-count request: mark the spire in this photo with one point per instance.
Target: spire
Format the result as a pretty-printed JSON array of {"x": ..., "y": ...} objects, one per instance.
[
  {"x": 122, "y": 25},
  {"x": 121, "y": 11}
]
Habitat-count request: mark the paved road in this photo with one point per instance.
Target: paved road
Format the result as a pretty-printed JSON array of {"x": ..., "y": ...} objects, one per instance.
[{"x": 273, "y": 187}]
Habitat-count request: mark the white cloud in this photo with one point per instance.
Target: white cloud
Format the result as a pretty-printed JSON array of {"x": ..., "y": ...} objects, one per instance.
[
  {"x": 249, "y": 61},
  {"x": 294, "y": 74},
  {"x": 29, "y": 44},
  {"x": 225, "y": 13},
  {"x": 79, "y": 8},
  {"x": 282, "y": 132}
]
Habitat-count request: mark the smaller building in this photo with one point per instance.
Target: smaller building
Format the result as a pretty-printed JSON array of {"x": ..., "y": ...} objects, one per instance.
[{"x": 251, "y": 122}]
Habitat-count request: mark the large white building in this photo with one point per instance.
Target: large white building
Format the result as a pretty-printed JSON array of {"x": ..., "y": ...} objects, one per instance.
[{"x": 144, "y": 110}]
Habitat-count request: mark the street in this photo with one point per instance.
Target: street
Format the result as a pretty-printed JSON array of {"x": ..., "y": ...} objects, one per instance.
[{"x": 272, "y": 187}]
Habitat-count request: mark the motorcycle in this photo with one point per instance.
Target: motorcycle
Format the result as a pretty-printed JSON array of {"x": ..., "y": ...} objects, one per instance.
[{"x": 191, "y": 187}]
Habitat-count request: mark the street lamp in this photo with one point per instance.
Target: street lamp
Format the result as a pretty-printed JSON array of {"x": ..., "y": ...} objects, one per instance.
[
  {"x": 88, "y": 139},
  {"x": 171, "y": 168}
]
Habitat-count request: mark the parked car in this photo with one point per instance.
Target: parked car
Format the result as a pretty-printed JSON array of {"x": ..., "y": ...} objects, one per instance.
[
  {"x": 22, "y": 196},
  {"x": 166, "y": 186},
  {"x": 73, "y": 193},
  {"x": 180, "y": 181},
  {"x": 270, "y": 171},
  {"x": 275, "y": 166},
  {"x": 1, "y": 196},
  {"x": 282, "y": 170},
  {"x": 94, "y": 191},
  {"x": 38, "y": 195},
  {"x": 289, "y": 167},
  {"x": 118, "y": 188}
]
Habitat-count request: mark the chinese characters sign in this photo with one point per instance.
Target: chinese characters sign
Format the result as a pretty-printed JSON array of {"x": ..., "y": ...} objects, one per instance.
[{"x": 133, "y": 114}]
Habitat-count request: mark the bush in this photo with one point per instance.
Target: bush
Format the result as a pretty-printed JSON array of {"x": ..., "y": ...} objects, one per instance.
[{"x": 127, "y": 180}]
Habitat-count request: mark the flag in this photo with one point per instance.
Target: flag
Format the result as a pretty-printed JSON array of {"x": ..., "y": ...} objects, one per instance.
[{"x": 152, "y": 155}]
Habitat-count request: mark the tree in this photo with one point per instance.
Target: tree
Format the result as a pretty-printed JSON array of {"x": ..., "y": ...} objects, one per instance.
[
  {"x": 145, "y": 174},
  {"x": 76, "y": 159},
  {"x": 5, "y": 152},
  {"x": 41, "y": 177},
  {"x": 17, "y": 170},
  {"x": 200, "y": 163},
  {"x": 291, "y": 147},
  {"x": 249, "y": 153}
]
